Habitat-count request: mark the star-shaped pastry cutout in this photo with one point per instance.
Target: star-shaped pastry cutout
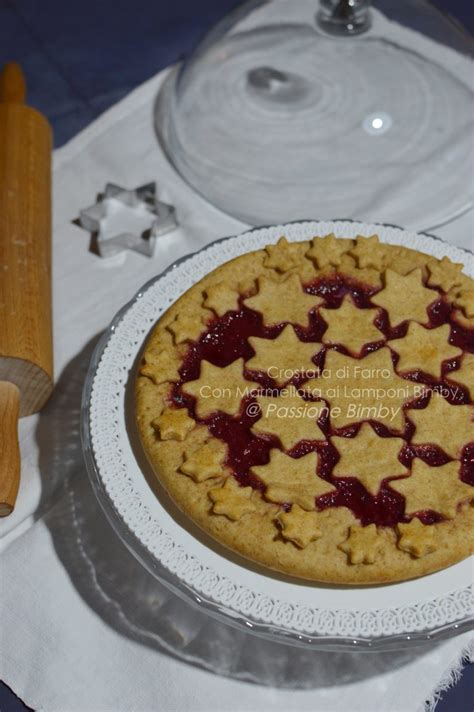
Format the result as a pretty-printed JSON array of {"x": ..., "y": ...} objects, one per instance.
[
  {"x": 160, "y": 365},
  {"x": 464, "y": 299},
  {"x": 283, "y": 301},
  {"x": 350, "y": 326},
  {"x": 434, "y": 488},
  {"x": 292, "y": 481},
  {"x": 173, "y": 424},
  {"x": 289, "y": 418},
  {"x": 368, "y": 276},
  {"x": 416, "y": 538},
  {"x": 424, "y": 349},
  {"x": 205, "y": 462},
  {"x": 231, "y": 500},
  {"x": 462, "y": 320},
  {"x": 283, "y": 256},
  {"x": 189, "y": 327},
  {"x": 325, "y": 251},
  {"x": 465, "y": 374},
  {"x": 363, "y": 389},
  {"x": 283, "y": 357},
  {"x": 219, "y": 388},
  {"x": 369, "y": 252},
  {"x": 405, "y": 297},
  {"x": 221, "y": 298},
  {"x": 299, "y": 526},
  {"x": 356, "y": 458},
  {"x": 445, "y": 274},
  {"x": 451, "y": 427},
  {"x": 363, "y": 544}
]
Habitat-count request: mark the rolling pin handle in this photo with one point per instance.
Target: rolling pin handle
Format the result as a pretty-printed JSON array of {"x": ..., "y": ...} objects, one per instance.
[
  {"x": 12, "y": 84},
  {"x": 9, "y": 446}
]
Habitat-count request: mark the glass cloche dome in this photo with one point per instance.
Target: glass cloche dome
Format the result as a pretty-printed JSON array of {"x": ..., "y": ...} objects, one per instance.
[{"x": 294, "y": 109}]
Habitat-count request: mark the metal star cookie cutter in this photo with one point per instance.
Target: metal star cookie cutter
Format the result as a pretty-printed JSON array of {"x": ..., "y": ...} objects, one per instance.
[{"x": 143, "y": 202}]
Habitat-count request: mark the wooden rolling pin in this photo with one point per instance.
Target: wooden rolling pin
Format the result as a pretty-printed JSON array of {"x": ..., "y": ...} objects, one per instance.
[{"x": 26, "y": 358}]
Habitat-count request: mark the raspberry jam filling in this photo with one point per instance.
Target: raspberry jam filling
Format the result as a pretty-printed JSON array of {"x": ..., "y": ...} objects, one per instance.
[{"x": 226, "y": 339}]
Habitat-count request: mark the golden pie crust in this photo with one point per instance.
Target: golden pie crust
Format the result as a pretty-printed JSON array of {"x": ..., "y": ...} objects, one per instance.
[{"x": 310, "y": 406}]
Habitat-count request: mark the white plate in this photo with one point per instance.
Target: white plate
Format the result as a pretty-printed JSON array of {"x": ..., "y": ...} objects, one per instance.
[{"x": 182, "y": 556}]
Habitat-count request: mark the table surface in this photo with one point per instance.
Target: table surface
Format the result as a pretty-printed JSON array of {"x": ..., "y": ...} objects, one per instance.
[{"x": 81, "y": 58}]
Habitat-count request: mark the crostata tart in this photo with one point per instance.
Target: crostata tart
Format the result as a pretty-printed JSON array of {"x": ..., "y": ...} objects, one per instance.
[{"x": 311, "y": 406}]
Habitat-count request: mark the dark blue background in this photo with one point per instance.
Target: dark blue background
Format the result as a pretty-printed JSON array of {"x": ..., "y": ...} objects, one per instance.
[{"x": 82, "y": 57}]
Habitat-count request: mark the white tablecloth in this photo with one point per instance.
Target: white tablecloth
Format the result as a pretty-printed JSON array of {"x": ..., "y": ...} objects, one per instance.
[{"x": 80, "y": 620}]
